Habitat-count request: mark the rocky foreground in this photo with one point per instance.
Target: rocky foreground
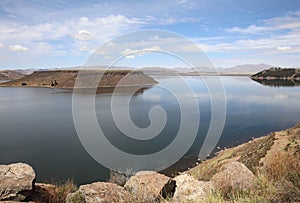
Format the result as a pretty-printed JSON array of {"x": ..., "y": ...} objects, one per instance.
[{"x": 265, "y": 169}]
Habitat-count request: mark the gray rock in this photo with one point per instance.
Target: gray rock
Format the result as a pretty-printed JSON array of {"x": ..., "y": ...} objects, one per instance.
[
  {"x": 189, "y": 189},
  {"x": 100, "y": 192},
  {"x": 234, "y": 175},
  {"x": 17, "y": 181},
  {"x": 118, "y": 178},
  {"x": 150, "y": 186}
]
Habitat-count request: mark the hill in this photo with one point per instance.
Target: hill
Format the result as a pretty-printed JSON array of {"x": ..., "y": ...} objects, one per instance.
[
  {"x": 278, "y": 73},
  {"x": 11, "y": 74},
  {"x": 66, "y": 79},
  {"x": 246, "y": 68}
]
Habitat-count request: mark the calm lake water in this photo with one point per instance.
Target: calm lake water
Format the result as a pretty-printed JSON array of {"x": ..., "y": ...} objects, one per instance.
[{"x": 36, "y": 124}]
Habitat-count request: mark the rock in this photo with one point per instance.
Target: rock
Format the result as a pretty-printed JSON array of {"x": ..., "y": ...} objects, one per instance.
[
  {"x": 100, "y": 192},
  {"x": 150, "y": 186},
  {"x": 189, "y": 189},
  {"x": 234, "y": 175},
  {"x": 17, "y": 181},
  {"x": 44, "y": 193},
  {"x": 118, "y": 178}
]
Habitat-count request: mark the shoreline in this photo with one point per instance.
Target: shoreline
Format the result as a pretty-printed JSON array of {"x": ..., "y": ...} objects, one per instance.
[{"x": 248, "y": 158}]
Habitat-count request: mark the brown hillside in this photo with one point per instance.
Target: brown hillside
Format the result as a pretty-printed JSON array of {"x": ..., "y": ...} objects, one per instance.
[
  {"x": 10, "y": 75},
  {"x": 66, "y": 79}
]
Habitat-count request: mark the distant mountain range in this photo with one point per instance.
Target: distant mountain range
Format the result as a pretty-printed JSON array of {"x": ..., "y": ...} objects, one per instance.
[{"x": 246, "y": 69}]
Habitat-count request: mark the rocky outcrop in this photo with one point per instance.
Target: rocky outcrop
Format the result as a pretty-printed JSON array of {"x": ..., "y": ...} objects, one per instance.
[
  {"x": 100, "y": 192},
  {"x": 189, "y": 189},
  {"x": 234, "y": 175},
  {"x": 150, "y": 186},
  {"x": 118, "y": 178},
  {"x": 17, "y": 181}
]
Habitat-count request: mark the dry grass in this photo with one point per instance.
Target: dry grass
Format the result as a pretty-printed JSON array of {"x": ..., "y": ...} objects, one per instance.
[
  {"x": 284, "y": 171},
  {"x": 208, "y": 168},
  {"x": 248, "y": 154},
  {"x": 48, "y": 193},
  {"x": 276, "y": 182},
  {"x": 278, "y": 174},
  {"x": 251, "y": 153}
]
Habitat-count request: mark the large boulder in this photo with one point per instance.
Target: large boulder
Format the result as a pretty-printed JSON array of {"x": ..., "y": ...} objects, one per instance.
[
  {"x": 100, "y": 192},
  {"x": 149, "y": 186},
  {"x": 16, "y": 181},
  {"x": 234, "y": 175},
  {"x": 189, "y": 189}
]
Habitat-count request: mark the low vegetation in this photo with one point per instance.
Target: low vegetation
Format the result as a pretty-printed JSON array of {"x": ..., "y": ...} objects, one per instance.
[
  {"x": 278, "y": 73},
  {"x": 275, "y": 161},
  {"x": 53, "y": 193},
  {"x": 277, "y": 183}
]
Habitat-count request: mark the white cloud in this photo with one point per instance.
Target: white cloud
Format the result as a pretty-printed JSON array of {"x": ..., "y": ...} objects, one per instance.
[
  {"x": 270, "y": 45},
  {"x": 42, "y": 48},
  {"x": 140, "y": 52},
  {"x": 83, "y": 29},
  {"x": 181, "y": 1},
  {"x": 284, "y": 48},
  {"x": 107, "y": 57},
  {"x": 248, "y": 30},
  {"x": 18, "y": 48},
  {"x": 290, "y": 21},
  {"x": 174, "y": 20},
  {"x": 84, "y": 48},
  {"x": 129, "y": 56},
  {"x": 102, "y": 29},
  {"x": 1, "y": 45},
  {"x": 83, "y": 35}
]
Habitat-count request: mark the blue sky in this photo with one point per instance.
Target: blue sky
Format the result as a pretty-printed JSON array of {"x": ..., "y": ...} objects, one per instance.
[{"x": 62, "y": 33}]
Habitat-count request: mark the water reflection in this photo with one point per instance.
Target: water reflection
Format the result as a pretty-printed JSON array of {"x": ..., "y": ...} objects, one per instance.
[
  {"x": 37, "y": 125},
  {"x": 278, "y": 83}
]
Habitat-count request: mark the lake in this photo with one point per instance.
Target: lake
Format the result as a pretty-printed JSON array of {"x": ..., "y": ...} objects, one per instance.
[{"x": 37, "y": 125}]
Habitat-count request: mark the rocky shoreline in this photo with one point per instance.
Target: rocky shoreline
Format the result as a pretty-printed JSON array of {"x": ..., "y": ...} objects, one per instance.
[{"x": 235, "y": 169}]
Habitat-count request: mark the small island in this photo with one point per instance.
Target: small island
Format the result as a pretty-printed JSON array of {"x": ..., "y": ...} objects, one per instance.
[
  {"x": 278, "y": 73},
  {"x": 278, "y": 77}
]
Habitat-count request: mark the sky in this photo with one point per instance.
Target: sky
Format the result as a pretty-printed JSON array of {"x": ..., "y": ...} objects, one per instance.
[{"x": 65, "y": 33}]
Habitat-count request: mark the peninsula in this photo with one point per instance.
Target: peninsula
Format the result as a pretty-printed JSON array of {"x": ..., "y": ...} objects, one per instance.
[
  {"x": 277, "y": 77},
  {"x": 66, "y": 79},
  {"x": 278, "y": 74}
]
